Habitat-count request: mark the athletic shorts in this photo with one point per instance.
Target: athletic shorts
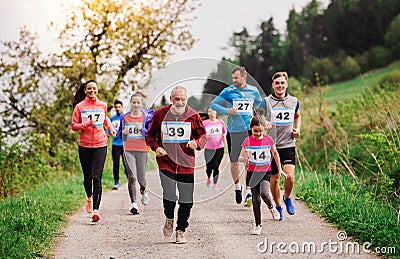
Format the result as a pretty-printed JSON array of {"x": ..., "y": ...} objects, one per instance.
[
  {"x": 287, "y": 157},
  {"x": 254, "y": 178},
  {"x": 235, "y": 140}
]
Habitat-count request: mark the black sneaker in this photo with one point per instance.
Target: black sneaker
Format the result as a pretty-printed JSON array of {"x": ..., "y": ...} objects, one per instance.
[{"x": 239, "y": 195}]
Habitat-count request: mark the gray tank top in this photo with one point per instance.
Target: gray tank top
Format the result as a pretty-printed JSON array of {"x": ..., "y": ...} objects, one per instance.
[{"x": 281, "y": 113}]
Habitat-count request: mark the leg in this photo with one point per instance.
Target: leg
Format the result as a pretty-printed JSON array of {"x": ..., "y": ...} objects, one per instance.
[
  {"x": 219, "y": 154},
  {"x": 255, "y": 191},
  {"x": 168, "y": 184},
  {"x": 116, "y": 153},
  {"x": 208, "y": 155},
  {"x": 130, "y": 166},
  {"x": 265, "y": 193},
  {"x": 141, "y": 163},
  {"x": 99, "y": 157},
  {"x": 123, "y": 162},
  {"x": 185, "y": 187},
  {"x": 85, "y": 157}
]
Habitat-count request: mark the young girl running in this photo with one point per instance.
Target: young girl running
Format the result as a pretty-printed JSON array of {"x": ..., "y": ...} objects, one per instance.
[
  {"x": 88, "y": 117},
  {"x": 135, "y": 125},
  {"x": 256, "y": 151},
  {"x": 214, "y": 149}
]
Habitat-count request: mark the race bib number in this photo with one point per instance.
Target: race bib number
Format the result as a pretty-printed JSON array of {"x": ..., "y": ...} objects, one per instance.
[
  {"x": 98, "y": 115},
  {"x": 176, "y": 132},
  {"x": 133, "y": 131},
  {"x": 259, "y": 155},
  {"x": 116, "y": 124},
  {"x": 214, "y": 130},
  {"x": 282, "y": 116},
  {"x": 243, "y": 106}
]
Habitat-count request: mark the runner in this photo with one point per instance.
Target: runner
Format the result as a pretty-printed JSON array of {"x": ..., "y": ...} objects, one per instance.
[
  {"x": 175, "y": 132},
  {"x": 256, "y": 151},
  {"x": 284, "y": 111},
  {"x": 237, "y": 100},
  {"x": 88, "y": 117},
  {"x": 214, "y": 149},
  {"x": 117, "y": 149},
  {"x": 135, "y": 125}
]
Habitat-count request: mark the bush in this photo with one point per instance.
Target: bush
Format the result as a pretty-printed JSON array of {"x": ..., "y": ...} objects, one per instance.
[
  {"x": 348, "y": 68},
  {"x": 393, "y": 78},
  {"x": 378, "y": 57}
]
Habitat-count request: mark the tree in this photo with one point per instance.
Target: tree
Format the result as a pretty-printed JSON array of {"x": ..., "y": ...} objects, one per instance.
[{"x": 116, "y": 42}]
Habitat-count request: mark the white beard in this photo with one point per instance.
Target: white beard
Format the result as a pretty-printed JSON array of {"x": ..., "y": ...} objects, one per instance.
[{"x": 179, "y": 110}]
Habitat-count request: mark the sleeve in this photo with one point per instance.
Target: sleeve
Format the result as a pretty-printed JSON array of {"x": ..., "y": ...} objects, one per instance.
[
  {"x": 107, "y": 122},
  {"x": 76, "y": 122},
  {"x": 245, "y": 142},
  {"x": 224, "y": 130},
  {"x": 121, "y": 125},
  {"x": 297, "y": 106},
  {"x": 220, "y": 104},
  {"x": 151, "y": 135},
  {"x": 200, "y": 133},
  {"x": 146, "y": 121}
]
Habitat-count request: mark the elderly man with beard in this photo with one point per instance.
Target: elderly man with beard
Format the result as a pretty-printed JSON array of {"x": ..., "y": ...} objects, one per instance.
[{"x": 175, "y": 132}]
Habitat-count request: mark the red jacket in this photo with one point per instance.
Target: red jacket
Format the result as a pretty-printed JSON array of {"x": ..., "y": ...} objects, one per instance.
[
  {"x": 180, "y": 159},
  {"x": 92, "y": 134}
]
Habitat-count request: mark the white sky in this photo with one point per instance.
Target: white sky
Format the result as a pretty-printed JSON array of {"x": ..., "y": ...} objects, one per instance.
[{"x": 217, "y": 20}]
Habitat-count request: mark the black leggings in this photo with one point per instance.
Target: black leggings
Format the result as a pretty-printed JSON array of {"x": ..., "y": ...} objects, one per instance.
[
  {"x": 92, "y": 163},
  {"x": 117, "y": 152},
  {"x": 213, "y": 160}
]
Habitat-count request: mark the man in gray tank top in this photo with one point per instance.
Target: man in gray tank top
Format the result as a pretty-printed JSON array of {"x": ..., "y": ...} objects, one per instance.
[{"x": 284, "y": 113}]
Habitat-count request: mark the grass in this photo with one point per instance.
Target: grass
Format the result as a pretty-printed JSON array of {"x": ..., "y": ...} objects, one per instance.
[
  {"x": 354, "y": 87},
  {"x": 353, "y": 208}
]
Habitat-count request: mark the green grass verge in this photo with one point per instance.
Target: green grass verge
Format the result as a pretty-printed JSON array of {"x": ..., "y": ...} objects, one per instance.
[
  {"x": 30, "y": 222},
  {"x": 352, "y": 207},
  {"x": 354, "y": 87}
]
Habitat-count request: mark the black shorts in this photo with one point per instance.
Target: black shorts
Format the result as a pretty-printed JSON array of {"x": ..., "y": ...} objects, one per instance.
[
  {"x": 287, "y": 157},
  {"x": 235, "y": 140},
  {"x": 254, "y": 178}
]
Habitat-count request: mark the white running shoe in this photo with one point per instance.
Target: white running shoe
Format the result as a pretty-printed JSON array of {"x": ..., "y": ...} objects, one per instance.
[
  {"x": 145, "y": 198},
  {"x": 256, "y": 230},
  {"x": 275, "y": 214},
  {"x": 134, "y": 208}
]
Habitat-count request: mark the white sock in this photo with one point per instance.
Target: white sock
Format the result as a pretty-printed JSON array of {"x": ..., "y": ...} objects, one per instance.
[{"x": 238, "y": 186}]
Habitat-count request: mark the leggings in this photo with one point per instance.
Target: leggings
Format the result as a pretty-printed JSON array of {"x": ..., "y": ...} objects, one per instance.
[
  {"x": 135, "y": 162},
  {"x": 260, "y": 191},
  {"x": 185, "y": 184},
  {"x": 213, "y": 160},
  {"x": 117, "y": 152},
  {"x": 92, "y": 163}
]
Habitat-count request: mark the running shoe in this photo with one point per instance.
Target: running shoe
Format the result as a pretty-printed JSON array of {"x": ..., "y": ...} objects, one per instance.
[
  {"x": 239, "y": 195},
  {"x": 248, "y": 201},
  {"x": 289, "y": 205},
  {"x": 275, "y": 214},
  {"x": 180, "y": 237},
  {"x": 89, "y": 207},
  {"x": 95, "y": 216},
  {"x": 168, "y": 227},
  {"x": 134, "y": 208},
  {"x": 208, "y": 182},
  {"x": 215, "y": 187},
  {"x": 256, "y": 230},
  {"x": 116, "y": 186},
  {"x": 145, "y": 198},
  {"x": 280, "y": 211}
]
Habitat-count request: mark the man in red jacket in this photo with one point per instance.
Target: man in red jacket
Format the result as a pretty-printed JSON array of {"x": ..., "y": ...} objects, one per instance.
[{"x": 175, "y": 132}]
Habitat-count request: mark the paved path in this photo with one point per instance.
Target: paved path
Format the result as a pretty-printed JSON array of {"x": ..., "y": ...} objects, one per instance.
[{"x": 219, "y": 228}]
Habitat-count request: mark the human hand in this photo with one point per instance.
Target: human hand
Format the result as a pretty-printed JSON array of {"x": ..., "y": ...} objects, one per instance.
[
  {"x": 286, "y": 176},
  {"x": 125, "y": 131},
  {"x": 160, "y": 152},
  {"x": 232, "y": 111},
  {"x": 192, "y": 144},
  {"x": 114, "y": 133},
  {"x": 268, "y": 125},
  {"x": 296, "y": 132}
]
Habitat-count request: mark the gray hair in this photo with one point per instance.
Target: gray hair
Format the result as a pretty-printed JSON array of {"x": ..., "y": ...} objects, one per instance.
[{"x": 177, "y": 88}]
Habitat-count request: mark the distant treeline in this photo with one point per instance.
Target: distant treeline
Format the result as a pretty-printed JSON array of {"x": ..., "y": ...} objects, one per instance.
[{"x": 340, "y": 42}]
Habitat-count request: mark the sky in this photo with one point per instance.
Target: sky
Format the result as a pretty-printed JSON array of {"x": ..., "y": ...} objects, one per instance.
[{"x": 216, "y": 21}]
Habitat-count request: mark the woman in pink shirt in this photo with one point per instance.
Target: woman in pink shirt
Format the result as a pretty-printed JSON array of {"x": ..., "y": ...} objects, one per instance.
[
  {"x": 88, "y": 117},
  {"x": 214, "y": 149}
]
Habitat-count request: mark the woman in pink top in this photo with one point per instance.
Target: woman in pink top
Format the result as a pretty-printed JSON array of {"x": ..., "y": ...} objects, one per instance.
[
  {"x": 135, "y": 125},
  {"x": 89, "y": 116},
  {"x": 214, "y": 149},
  {"x": 256, "y": 152}
]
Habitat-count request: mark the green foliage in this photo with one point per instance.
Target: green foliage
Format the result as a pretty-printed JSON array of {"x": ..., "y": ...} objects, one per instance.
[
  {"x": 29, "y": 163},
  {"x": 353, "y": 207},
  {"x": 30, "y": 222},
  {"x": 348, "y": 68},
  {"x": 392, "y": 78},
  {"x": 379, "y": 56},
  {"x": 392, "y": 37}
]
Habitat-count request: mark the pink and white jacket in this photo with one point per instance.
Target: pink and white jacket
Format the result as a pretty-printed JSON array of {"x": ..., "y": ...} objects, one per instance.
[{"x": 89, "y": 117}]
